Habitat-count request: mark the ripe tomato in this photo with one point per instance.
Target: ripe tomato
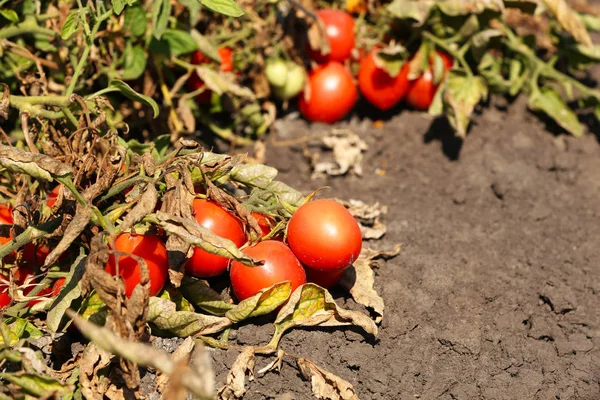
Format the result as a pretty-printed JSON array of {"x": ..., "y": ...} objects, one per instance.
[
  {"x": 194, "y": 82},
  {"x": 6, "y": 212},
  {"x": 421, "y": 91},
  {"x": 378, "y": 87},
  {"x": 339, "y": 26},
  {"x": 264, "y": 221},
  {"x": 52, "y": 196},
  {"x": 214, "y": 217},
  {"x": 326, "y": 279},
  {"x": 324, "y": 235},
  {"x": 57, "y": 286},
  {"x": 331, "y": 96},
  {"x": 280, "y": 265},
  {"x": 4, "y": 297},
  {"x": 148, "y": 247}
]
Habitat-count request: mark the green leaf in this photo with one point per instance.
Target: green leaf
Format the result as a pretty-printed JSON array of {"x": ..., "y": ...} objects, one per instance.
[
  {"x": 569, "y": 20},
  {"x": 465, "y": 7},
  {"x": 463, "y": 92},
  {"x": 391, "y": 59},
  {"x": 126, "y": 90},
  {"x": 118, "y": 6},
  {"x": 36, "y": 385},
  {"x": 481, "y": 40},
  {"x": 94, "y": 309},
  {"x": 69, "y": 292},
  {"x": 163, "y": 315},
  {"x": 470, "y": 27},
  {"x": 516, "y": 77},
  {"x": 548, "y": 101},
  {"x": 173, "y": 42},
  {"x": 205, "y": 46},
  {"x": 161, "y": 11},
  {"x": 10, "y": 15},
  {"x": 134, "y": 63},
  {"x": 417, "y": 10},
  {"x": 591, "y": 22},
  {"x": 19, "y": 328},
  {"x": 135, "y": 21},
  {"x": 253, "y": 174},
  {"x": 597, "y": 112},
  {"x": 71, "y": 25},
  {"x": 202, "y": 296},
  {"x": 194, "y": 10},
  {"x": 261, "y": 303},
  {"x": 225, "y": 7}
]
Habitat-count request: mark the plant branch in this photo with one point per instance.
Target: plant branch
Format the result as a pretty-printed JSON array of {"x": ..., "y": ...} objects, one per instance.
[{"x": 457, "y": 54}]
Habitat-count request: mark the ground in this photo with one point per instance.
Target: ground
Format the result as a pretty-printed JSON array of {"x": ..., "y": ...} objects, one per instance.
[{"x": 496, "y": 291}]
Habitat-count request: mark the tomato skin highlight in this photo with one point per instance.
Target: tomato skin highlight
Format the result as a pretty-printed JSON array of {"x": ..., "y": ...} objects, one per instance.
[
  {"x": 339, "y": 26},
  {"x": 324, "y": 235},
  {"x": 325, "y": 279},
  {"x": 214, "y": 217},
  {"x": 148, "y": 247},
  {"x": 194, "y": 82},
  {"x": 421, "y": 91},
  {"x": 331, "y": 96},
  {"x": 378, "y": 87},
  {"x": 280, "y": 265}
]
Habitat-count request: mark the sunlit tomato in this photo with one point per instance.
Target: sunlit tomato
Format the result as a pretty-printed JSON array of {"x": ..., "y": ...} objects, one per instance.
[
  {"x": 339, "y": 26},
  {"x": 378, "y": 87},
  {"x": 6, "y": 212},
  {"x": 264, "y": 221},
  {"x": 53, "y": 196},
  {"x": 326, "y": 279},
  {"x": 148, "y": 247},
  {"x": 214, "y": 217},
  {"x": 421, "y": 91},
  {"x": 331, "y": 94},
  {"x": 194, "y": 82},
  {"x": 57, "y": 286},
  {"x": 280, "y": 265},
  {"x": 324, "y": 235}
]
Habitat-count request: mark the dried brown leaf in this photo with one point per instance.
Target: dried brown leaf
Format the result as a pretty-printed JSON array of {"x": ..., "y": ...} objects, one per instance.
[
  {"x": 236, "y": 378},
  {"x": 326, "y": 385},
  {"x": 569, "y": 20},
  {"x": 36, "y": 165},
  {"x": 347, "y": 153},
  {"x": 367, "y": 216},
  {"x": 74, "y": 229},
  {"x": 274, "y": 365},
  {"x": 5, "y": 101},
  {"x": 145, "y": 206}
]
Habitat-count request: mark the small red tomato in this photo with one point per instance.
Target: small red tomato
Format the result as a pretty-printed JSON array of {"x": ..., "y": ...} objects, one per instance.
[
  {"x": 214, "y": 217},
  {"x": 57, "y": 286},
  {"x": 148, "y": 247},
  {"x": 331, "y": 94},
  {"x": 194, "y": 82},
  {"x": 6, "y": 212},
  {"x": 280, "y": 265},
  {"x": 326, "y": 279},
  {"x": 53, "y": 196},
  {"x": 421, "y": 91},
  {"x": 324, "y": 235},
  {"x": 4, "y": 297},
  {"x": 378, "y": 87},
  {"x": 264, "y": 221},
  {"x": 339, "y": 26}
]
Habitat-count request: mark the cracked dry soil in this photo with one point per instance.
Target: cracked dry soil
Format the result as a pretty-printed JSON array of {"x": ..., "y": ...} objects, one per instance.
[{"x": 496, "y": 292}]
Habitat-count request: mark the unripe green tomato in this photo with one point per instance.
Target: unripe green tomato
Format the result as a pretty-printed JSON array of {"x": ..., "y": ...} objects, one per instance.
[
  {"x": 294, "y": 84},
  {"x": 276, "y": 71}
]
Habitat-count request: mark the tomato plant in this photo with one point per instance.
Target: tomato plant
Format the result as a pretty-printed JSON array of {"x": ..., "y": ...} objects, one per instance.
[
  {"x": 148, "y": 247},
  {"x": 378, "y": 86},
  {"x": 194, "y": 82},
  {"x": 421, "y": 91},
  {"x": 339, "y": 27},
  {"x": 326, "y": 279},
  {"x": 214, "y": 217},
  {"x": 324, "y": 235},
  {"x": 280, "y": 264},
  {"x": 331, "y": 94}
]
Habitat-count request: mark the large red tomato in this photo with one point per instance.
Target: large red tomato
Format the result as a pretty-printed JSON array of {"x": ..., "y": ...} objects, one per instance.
[
  {"x": 331, "y": 94},
  {"x": 148, "y": 247},
  {"x": 326, "y": 279},
  {"x": 280, "y": 265},
  {"x": 339, "y": 26},
  {"x": 194, "y": 82},
  {"x": 324, "y": 235},
  {"x": 214, "y": 217},
  {"x": 421, "y": 91},
  {"x": 378, "y": 87}
]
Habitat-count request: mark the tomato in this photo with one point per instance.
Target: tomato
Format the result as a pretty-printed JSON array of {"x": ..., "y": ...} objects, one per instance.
[
  {"x": 6, "y": 212},
  {"x": 214, "y": 217},
  {"x": 148, "y": 247},
  {"x": 264, "y": 221},
  {"x": 4, "y": 296},
  {"x": 53, "y": 196},
  {"x": 331, "y": 94},
  {"x": 339, "y": 26},
  {"x": 194, "y": 82},
  {"x": 326, "y": 279},
  {"x": 276, "y": 71},
  {"x": 57, "y": 286},
  {"x": 324, "y": 235},
  {"x": 286, "y": 78},
  {"x": 421, "y": 91},
  {"x": 280, "y": 265},
  {"x": 378, "y": 87}
]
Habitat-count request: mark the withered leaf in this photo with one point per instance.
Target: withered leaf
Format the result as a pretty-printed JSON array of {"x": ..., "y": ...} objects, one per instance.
[
  {"x": 94, "y": 359},
  {"x": 347, "y": 153},
  {"x": 74, "y": 229},
  {"x": 38, "y": 385},
  {"x": 179, "y": 356},
  {"x": 367, "y": 216},
  {"x": 220, "y": 83},
  {"x": 36, "y": 165},
  {"x": 202, "y": 296},
  {"x": 326, "y": 385},
  {"x": 236, "y": 378},
  {"x": 569, "y": 20},
  {"x": 273, "y": 365},
  {"x": 261, "y": 303},
  {"x": 253, "y": 175},
  {"x": 145, "y": 206},
  {"x": 5, "y": 101}
]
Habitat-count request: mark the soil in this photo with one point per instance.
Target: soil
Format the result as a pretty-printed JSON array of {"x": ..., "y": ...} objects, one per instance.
[{"x": 496, "y": 292}]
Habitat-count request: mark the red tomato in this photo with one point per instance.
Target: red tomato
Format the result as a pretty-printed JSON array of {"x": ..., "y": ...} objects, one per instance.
[
  {"x": 214, "y": 217},
  {"x": 6, "y": 212},
  {"x": 194, "y": 82},
  {"x": 331, "y": 96},
  {"x": 53, "y": 196},
  {"x": 148, "y": 247},
  {"x": 58, "y": 285},
  {"x": 280, "y": 265},
  {"x": 4, "y": 297},
  {"x": 421, "y": 91},
  {"x": 324, "y": 235},
  {"x": 264, "y": 221},
  {"x": 326, "y": 279},
  {"x": 383, "y": 91},
  {"x": 339, "y": 26}
]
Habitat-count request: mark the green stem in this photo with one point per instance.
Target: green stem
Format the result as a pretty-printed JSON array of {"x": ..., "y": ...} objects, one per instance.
[
  {"x": 457, "y": 54},
  {"x": 24, "y": 29},
  {"x": 29, "y": 234}
]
